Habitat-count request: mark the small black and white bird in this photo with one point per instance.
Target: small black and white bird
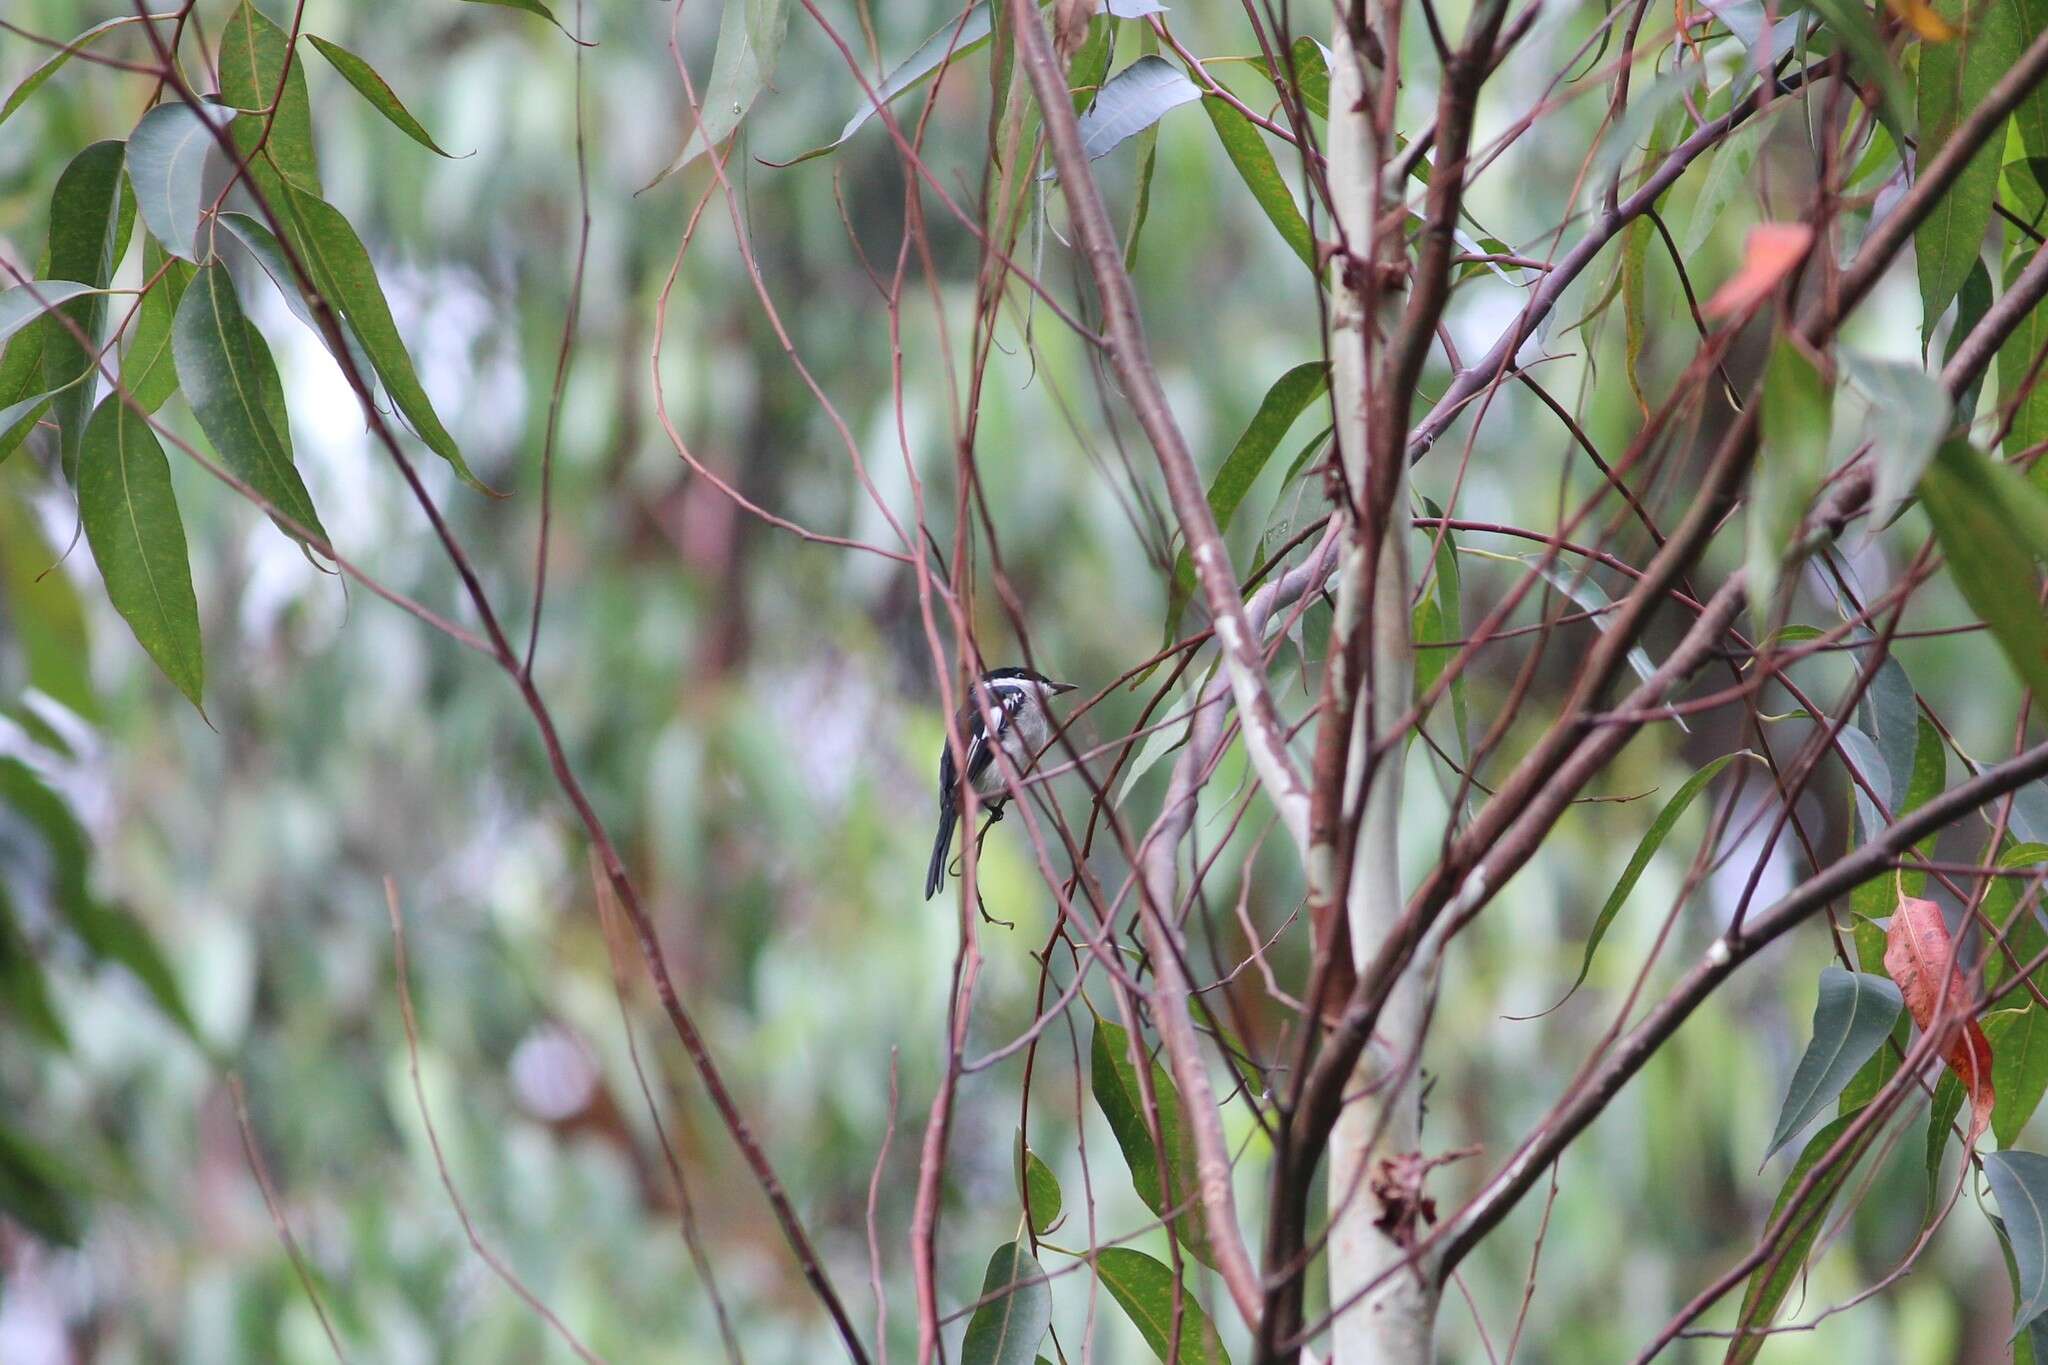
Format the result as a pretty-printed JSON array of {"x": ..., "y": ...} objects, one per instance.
[{"x": 1017, "y": 699}]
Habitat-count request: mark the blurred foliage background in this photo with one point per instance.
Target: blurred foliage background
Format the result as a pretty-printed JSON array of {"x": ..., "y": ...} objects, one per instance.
[{"x": 756, "y": 719}]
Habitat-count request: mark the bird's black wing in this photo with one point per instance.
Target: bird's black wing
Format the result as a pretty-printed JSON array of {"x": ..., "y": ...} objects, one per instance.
[{"x": 980, "y": 753}]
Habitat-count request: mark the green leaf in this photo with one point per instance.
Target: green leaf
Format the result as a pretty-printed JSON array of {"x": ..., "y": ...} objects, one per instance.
[
  {"x": 25, "y": 303},
  {"x": 532, "y": 7},
  {"x": 2019, "y": 1182},
  {"x": 109, "y": 932},
  {"x": 1090, "y": 66},
  {"x": 1285, "y": 401},
  {"x": 231, "y": 382},
  {"x": 1954, "y": 79},
  {"x": 38, "y": 1190},
  {"x": 1246, "y": 147},
  {"x": 2030, "y": 119},
  {"x": 1038, "y": 1189},
  {"x": 1726, "y": 178},
  {"x": 252, "y": 63},
  {"x": 2015, "y": 362},
  {"x": 374, "y": 88},
  {"x": 1144, "y": 1289},
  {"x": 956, "y": 39},
  {"x": 2027, "y": 938},
  {"x": 1592, "y": 599},
  {"x": 148, "y": 371},
  {"x": 1311, "y": 75},
  {"x": 740, "y": 71},
  {"x": 1852, "y": 22},
  {"x": 91, "y": 214},
  {"x": 2019, "y": 1067},
  {"x": 1971, "y": 305},
  {"x": 24, "y": 993},
  {"x": 1852, "y": 1016},
  {"x": 131, "y": 522},
  {"x": 1797, "y": 411},
  {"x": 23, "y": 395},
  {"x": 43, "y": 611},
  {"x": 1118, "y": 1094},
  {"x": 1910, "y": 414},
  {"x": 1007, "y": 1330},
  {"x": 1447, "y": 623},
  {"x": 2032, "y": 1347},
  {"x": 1766, "y": 1292},
  {"x": 342, "y": 270},
  {"x": 166, "y": 165},
  {"x": 1941, "y": 1120},
  {"x": 1646, "y": 849},
  {"x": 34, "y": 80},
  {"x": 1131, "y": 101},
  {"x": 1992, "y": 524}
]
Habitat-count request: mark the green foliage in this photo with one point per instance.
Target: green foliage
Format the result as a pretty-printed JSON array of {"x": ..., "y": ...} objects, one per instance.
[
  {"x": 1167, "y": 1182},
  {"x": 91, "y": 213},
  {"x": 1006, "y": 1330},
  {"x": 1773, "y": 1279},
  {"x": 1993, "y": 526},
  {"x": 1164, "y": 1312},
  {"x": 373, "y": 88},
  {"x": 1954, "y": 78},
  {"x": 1852, "y": 1016},
  {"x": 131, "y": 521}
]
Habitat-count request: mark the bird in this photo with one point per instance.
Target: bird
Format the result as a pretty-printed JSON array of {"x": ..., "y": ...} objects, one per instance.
[{"x": 1017, "y": 700}]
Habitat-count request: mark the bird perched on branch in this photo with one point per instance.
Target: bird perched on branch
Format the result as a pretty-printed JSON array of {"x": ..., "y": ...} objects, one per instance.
[{"x": 1017, "y": 702}]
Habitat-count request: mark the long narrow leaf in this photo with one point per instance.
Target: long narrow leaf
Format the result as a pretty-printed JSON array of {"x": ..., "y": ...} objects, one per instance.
[
  {"x": 376, "y": 90},
  {"x": 1652, "y": 840}
]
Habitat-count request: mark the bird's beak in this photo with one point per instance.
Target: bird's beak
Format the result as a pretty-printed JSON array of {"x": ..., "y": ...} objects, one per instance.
[{"x": 1062, "y": 687}]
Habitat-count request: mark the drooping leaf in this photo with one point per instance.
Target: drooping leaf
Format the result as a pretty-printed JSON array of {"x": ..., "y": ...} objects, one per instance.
[
  {"x": 1910, "y": 414},
  {"x": 1852, "y": 22},
  {"x": 34, "y": 80},
  {"x": 230, "y": 380},
  {"x": 1920, "y": 956},
  {"x": 2002, "y": 897},
  {"x": 25, "y": 303},
  {"x": 2029, "y": 405},
  {"x": 253, "y": 78},
  {"x": 1448, "y": 624},
  {"x": 342, "y": 269},
  {"x": 1954, "y": 78},
  {"x": 1592, "y": 599},
  {"x": 109, "y": 932},
  {"x": 2019, "y": 1067},
  {"x": 1993, "y": 526},
  {"x": 138, "y": 540},
  {"x": 1766, "y": 1292},
  {"x": 1797, "y": 411},
  {"x": 2031, "y": 1346},
  {"x": 1133, "y": 100},
  {"x": 1007, "y": 1330},
  {"x": 43, "y": 611},
  {"x": 740, "y": 71},
  {"x": 1144, "y": 1289},
  {"x": 23, "y": 392},
  {"x": 1646, "y": 849},
  {"x": 1768, "y": 255},
  {"x": 1726, "y": 178},
  {"x": 91, "y": 213},
  {"x": 38, "y": 1190},
  {"x": 24, "y": 991},
  {"x": 1037, "y": 1189},
  {"x": 166, "y": 165},
  {"x": 955, "y": 39},
  {"x": 148, "y": 371},
  {"x": 1285, "y": 401},
  {"x": 1115, "y": 1083},
  {"x": 376, "y": 90},
  {"x": 1852, "y": 1016},
  {"x": 531, "y": 7},
  {"x": 1246, "y": 147},
  {"x": 1972, "y": 303},
  {"x": 2019, "y": 1182},
  {"x": 1311, "y": 74}
]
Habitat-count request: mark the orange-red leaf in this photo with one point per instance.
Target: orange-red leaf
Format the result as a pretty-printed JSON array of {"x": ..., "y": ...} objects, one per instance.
[
  {"x": 1767, "y": 257},
  {"x": 1921, "y": 18},
  {"x": 1920, "y": 957}
]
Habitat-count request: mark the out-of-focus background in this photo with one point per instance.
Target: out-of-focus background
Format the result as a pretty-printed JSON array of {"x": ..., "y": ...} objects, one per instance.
[{"x": 755, "y": 717}]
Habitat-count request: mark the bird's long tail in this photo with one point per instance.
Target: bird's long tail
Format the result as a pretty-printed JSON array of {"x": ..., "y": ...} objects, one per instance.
[{"x": 935, "y": 875}]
